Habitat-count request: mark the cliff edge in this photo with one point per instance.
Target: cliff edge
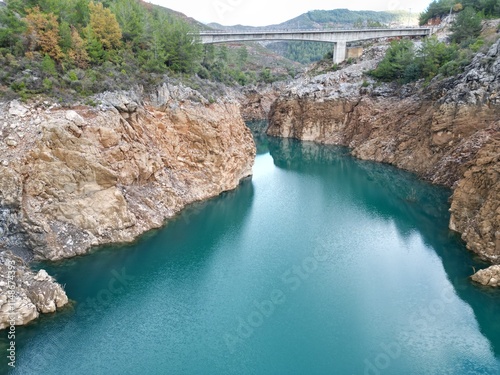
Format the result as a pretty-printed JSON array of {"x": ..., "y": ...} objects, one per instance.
[{"x": 71, "y": 179}]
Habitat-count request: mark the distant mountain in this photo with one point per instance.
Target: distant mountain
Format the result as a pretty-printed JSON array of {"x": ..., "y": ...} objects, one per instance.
[
  {"x": 337, "y": 18},
  {"x": 307, "y": 52}
]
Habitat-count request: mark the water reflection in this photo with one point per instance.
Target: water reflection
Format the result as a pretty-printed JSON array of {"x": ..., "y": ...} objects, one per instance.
[
  {"x": 258, "y": 129},
  {"x": 410, "y": 203},
  {"x": 183, "y": 251}
]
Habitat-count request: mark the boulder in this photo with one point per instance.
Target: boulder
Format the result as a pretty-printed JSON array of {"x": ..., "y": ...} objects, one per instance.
[{"x": 488, "y": 277}]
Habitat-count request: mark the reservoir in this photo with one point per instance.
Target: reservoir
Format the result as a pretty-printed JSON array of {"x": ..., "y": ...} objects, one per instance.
[{"x": 318, "y": 264}]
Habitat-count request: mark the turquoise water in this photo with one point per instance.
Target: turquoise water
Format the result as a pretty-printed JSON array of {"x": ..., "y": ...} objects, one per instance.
[{"x": 319, "y": 264}]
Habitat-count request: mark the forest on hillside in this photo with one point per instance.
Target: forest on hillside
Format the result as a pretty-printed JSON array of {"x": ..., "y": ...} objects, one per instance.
[
  {"x": 71, "y": 48},
  {"x": 440, "y": 8}
]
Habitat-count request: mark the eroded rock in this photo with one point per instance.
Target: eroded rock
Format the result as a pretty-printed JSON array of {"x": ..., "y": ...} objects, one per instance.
[
  {"x": 488, "y": 277},
  {"x": 91, "y": 176},
  {"x": 24, "y": 294}
]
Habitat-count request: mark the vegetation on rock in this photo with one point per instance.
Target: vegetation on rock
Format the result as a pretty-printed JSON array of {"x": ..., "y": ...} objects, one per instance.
[
  {"x": 441, "y": 8},
  {"x": 404, "y": 62}
]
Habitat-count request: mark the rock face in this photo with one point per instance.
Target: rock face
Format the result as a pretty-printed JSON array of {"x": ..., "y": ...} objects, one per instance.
[
  {"x": 88, "y": 176},
  {"x": 25, "y": 294},
  {"x": 256, "y": 102},
  {"x": 447, "y": 133},
  {"x": 488, "y": 277}
]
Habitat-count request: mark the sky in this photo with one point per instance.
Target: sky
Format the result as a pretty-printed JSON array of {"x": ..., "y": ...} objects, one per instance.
[{"x": 268, "y": 12}]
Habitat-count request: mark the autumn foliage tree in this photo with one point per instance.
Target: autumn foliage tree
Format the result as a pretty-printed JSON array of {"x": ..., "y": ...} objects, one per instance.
[
  {"x": 104, "y": 26},
  {"x": 42, "y": 33},
  {"x": 77, "y": 53}
]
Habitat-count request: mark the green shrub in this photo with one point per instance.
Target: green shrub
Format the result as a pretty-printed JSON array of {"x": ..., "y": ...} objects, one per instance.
[
  {"x": 49, "y": 66},
  {"x": 476, "y": 46},
  {"x": 73, "y": 77},
  {"x": 18, "y": 86},
  {"x": 47, "y": 84},
  {"x": 392, "y": 67}
]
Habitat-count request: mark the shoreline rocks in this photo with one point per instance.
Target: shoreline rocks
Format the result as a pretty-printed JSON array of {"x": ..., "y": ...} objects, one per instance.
[
  {"x": 488, "y": 277},
  {"x": 24, "y": 294}
]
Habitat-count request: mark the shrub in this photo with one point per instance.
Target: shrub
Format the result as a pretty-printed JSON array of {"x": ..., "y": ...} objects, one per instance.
[{"x": 49, "y": 66}]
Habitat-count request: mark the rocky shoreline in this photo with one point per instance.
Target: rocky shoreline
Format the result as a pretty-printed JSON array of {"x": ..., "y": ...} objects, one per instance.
[
  {"x": 446, "y": 132},
  {"x": 75, "y": 178},
  {"x": 24, "y": 294}
]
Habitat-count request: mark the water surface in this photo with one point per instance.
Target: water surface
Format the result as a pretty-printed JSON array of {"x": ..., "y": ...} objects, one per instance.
[{"x": 319, "y": 264}]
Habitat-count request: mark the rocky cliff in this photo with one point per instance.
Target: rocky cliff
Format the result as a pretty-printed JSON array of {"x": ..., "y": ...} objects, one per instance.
[
  {"x": 446, "y": 132},
  {"x": 25, "y": 294},
  {"x": 256, "y": 102},
  {"x": 71, "y": 179}
]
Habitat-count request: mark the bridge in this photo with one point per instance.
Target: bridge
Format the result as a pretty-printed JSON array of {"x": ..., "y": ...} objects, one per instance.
[{"x": 338, "y": 37}]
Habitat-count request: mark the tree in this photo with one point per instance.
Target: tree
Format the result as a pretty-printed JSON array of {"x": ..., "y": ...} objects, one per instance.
[
  {"x": 467, "y": 26},
  {"x": 104, "y": 26},
  {"x": 182, "y": 51},
  {"x": 208, "y": 55},
  {"x": 223, "y": 54},
  {"x": 65, "y": 36},
  {"x": 242, "y": 56},
  {"x": 398, "y": 57},
  {"x": 43, "y": 33},
  {"x": 78, "y": 54},
  {"x": 490, "y": 7},
  {"x": 131, "y": 17},
  {"x": 11, "y": 27},
  {"x": 433, "y": 55}
]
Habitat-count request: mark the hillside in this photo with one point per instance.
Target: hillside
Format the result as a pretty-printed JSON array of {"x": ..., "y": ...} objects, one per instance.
[
  {"x": 307, "y": 52},
  {"x": 71, "y": 49}
]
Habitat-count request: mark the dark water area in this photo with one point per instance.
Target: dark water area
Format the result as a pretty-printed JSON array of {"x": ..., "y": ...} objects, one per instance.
[{"x": 318, "y": 264}]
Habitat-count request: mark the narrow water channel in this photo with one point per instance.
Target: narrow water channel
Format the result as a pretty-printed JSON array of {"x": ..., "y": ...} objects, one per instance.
[{"x": 318, "y": 264}]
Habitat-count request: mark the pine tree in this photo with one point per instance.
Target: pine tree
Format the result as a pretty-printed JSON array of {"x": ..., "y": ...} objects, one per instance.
[{"x": 467, "y": 26}]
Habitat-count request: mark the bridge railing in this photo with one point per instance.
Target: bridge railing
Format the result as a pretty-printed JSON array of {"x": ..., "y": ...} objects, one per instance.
[{"x": 215, "y": 32}]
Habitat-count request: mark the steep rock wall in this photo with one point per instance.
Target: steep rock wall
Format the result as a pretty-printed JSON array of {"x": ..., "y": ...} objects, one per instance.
[
  {"x": 75, "y": 178},
  {"x": 447, "y": 133}
]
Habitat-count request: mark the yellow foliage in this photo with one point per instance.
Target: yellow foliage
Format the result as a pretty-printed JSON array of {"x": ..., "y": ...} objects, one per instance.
[
  {"x": 78, "y": 54},
  {"x": 43, "y": 33},
  {"x": 104, "y": 26}
]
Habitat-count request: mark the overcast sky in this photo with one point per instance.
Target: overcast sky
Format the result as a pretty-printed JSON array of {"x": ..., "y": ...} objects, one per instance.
[{"x": 268, "y": 12}]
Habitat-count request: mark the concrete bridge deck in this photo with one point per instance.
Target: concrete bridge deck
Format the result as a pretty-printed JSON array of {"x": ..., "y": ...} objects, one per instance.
[{"x": 340, "y": 37}]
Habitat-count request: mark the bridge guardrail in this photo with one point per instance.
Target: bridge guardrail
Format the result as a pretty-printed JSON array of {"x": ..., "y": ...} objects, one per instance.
[{"x": 216, "y": 32}]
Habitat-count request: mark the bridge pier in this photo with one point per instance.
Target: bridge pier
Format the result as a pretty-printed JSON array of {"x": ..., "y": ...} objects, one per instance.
[
  {"x": 339, "y": 37},
  {"x": 339, "y": 52}
]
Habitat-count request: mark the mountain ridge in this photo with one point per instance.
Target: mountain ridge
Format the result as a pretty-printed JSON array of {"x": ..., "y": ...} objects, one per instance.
[{"x": 318, "y": 19}]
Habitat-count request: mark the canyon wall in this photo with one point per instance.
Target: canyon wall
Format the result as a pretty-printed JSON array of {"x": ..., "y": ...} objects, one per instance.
[
  {"x": 447, "y": 132},
  {"x": 75, "y": 178},
  {"x": 71, "y": 179}
]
